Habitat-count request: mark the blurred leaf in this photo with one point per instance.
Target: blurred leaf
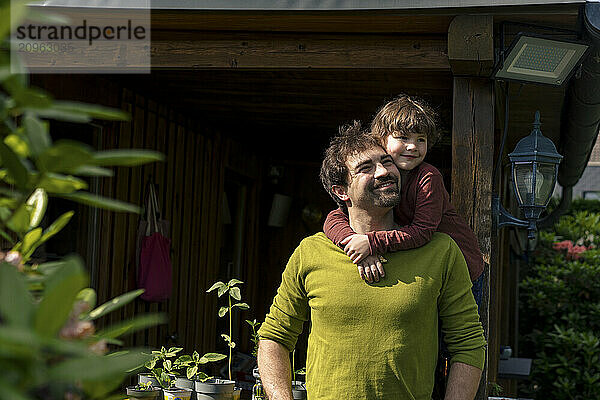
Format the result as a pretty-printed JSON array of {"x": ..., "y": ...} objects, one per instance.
[
  {"x": 30, "y": 240},
  {"x": 6, "y": 237},
  {"x": 133, "y": 325},
  {"x": 59, "y": 296},
  {"x": 113, "y": 304},
  {"x": 20, "y": 219},
  {"x": 16, "y": 304},
  {"x": 37, "y": 134},
  {"x": 24, "y": 96},
  {"x": 17, "y": 145},
  {"x": 92, "y": 170},
  {"x": 51, "y": 113},
  {"x": 38, "y": 201},
  {"x": 64, "y": 156},
  {"x": 91, "y": 110},
  {"x": 101, "y": 202},
  {"x": 100, "y": 389},
  {"x": 47, "y": 18},
  {"x": 15, "y": 166},
  {"x": 126, "y": 157},
  {"x": 223, "y": 311},
  {"x": 57, "y": 225},
  {"x": 88, "y": 295},
  {"x": 97, "y": 367},
  {"x": 11, "y": 11},
  {"x": 235, "y": 293},
  {"x": 9, "y": 391},
  {"x": 61, "y": 184}
]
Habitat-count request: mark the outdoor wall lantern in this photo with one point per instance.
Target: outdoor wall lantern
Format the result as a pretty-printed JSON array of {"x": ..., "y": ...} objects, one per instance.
[{"x": 534, "y": 167}]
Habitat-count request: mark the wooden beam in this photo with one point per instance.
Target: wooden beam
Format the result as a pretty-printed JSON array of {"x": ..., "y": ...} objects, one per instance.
[
  {"x": 472, "y": 163},
  {"x": 282, "y": 50},
  {"x": 471, "y": 45}
]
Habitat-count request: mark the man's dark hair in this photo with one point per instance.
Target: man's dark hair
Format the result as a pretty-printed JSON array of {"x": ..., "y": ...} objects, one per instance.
[{"x": 350, "y": 140}]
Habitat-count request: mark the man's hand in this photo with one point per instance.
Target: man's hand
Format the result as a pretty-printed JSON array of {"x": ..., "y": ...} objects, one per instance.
[
  {"x": 463, "y": 381},
  {"x": 274, "y": 369},
  {"x": 371, "y": 268},
  {"x": 356, "y": 247}
]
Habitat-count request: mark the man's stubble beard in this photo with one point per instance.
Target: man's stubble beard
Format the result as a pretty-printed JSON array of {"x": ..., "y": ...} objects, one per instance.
[{"x": 383, "y": 199}]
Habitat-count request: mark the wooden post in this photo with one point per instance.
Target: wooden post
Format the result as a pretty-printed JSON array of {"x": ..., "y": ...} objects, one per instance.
[{"x": 470, "y": 53}]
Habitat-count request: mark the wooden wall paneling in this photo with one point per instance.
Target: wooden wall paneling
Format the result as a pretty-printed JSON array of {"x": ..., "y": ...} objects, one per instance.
[
  {"x": 188, "y": 265},
  {"x": 170, "y": 209},
  {"x": 472, "y": 163},
  {"x": 135, "y": 197},
  {"x": 197, "y": 264},
  {"x": 209, "y": 301},
  {"x": 119, "y": 241},
  {"x": 180, "y": 281},
  {"x": 153, "y": 143}
]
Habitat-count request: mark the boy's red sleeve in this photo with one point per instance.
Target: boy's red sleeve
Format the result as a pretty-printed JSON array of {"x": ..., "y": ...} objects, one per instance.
[
  {"x": 429, "y": 208},
  {"x": 337, "y": 226}
]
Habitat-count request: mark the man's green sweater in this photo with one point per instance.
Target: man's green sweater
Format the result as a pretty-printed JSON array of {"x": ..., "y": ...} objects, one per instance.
[{"x": 380, "y": 340}]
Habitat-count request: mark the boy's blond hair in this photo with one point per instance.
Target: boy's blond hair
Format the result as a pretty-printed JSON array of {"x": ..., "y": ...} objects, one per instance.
[{"x": 406, "y": 114}]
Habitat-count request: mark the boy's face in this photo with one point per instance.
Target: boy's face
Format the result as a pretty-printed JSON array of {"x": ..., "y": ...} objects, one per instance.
[{"x": 407, "y": 149}]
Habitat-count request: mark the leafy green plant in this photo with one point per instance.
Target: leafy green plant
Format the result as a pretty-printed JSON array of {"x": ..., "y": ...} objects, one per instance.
[
  {"x": 192, "y": 364},
  {"x": 560, "y": 312},
  {"x": 254, "y": 325},
  {"x": 233, "y": 292}
]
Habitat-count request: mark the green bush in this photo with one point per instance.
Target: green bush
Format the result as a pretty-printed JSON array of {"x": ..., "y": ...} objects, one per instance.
[{"x": 560, "y": 311}]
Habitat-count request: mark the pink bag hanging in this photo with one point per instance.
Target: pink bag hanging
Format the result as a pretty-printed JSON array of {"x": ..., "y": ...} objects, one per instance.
[{"x": 155, "y": 272}]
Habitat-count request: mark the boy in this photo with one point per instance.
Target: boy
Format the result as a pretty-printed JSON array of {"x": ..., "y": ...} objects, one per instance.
[{"x": 405, "y": 127}]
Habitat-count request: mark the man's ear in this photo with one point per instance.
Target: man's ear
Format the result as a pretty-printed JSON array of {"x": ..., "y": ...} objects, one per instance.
[{"x": 341, "y": 192}]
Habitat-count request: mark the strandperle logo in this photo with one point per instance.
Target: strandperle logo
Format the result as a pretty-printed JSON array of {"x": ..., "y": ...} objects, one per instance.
[{"x": 81, "y": 32}]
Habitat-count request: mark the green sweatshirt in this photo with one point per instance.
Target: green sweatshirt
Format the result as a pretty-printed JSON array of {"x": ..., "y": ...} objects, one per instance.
[{"x": 380, "y": 340}]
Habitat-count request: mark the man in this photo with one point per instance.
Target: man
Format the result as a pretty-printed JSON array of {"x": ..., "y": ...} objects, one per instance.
[{"x": 371, "y": 341}]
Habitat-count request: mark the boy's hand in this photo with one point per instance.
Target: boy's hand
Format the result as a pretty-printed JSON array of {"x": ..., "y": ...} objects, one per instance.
[
  {"x": 356, "y": 247},
  {"x": 371, "y": 268}
]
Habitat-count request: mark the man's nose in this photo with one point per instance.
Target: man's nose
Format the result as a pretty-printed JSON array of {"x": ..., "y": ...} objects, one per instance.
[{"x": 381, "y": 170}]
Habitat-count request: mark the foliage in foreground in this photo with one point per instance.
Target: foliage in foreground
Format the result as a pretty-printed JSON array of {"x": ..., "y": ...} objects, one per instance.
[{"x": 560, "y": 311}]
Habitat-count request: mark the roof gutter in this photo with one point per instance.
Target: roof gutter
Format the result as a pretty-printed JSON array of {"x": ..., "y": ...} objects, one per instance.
[{"x": 580, "y": 119}]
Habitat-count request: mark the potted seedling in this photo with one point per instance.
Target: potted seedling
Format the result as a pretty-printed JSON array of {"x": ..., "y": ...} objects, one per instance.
[
  {"x": 191, "y": 365},
  {"x": 218, "y": 388},
  {"x": 159, "y": 363},
  {"x": 166, "y": 380},
  {"x": 254, "y": 325},
  {"x": 144, "y": 391}
]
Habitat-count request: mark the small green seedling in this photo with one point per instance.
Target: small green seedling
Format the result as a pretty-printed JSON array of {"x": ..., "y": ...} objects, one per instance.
[
  {"x": 193, "y": 362},
  {"x": 254, "y": 326},
  {"x": 233, "y": 292}
]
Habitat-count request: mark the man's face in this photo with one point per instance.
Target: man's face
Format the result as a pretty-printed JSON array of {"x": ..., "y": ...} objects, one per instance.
[{"x": 374, "y": 179}]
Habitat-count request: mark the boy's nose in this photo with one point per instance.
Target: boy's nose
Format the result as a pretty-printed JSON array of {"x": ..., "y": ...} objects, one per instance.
[{"x": 410, "y": 146}]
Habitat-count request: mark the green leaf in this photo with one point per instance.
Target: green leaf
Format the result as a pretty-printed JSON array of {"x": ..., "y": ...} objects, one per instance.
[
  {"x": 91, "y": 110},
  {"x": 11, "y": 11},
  {"x": 167, "y": 365},
  {"x": 235, "y": 293},
  {"x": 9, "y": 391},
  {"x": 30, "y": 242},
  {"x": 15, "y": 166},
  {"x": 16, "y": 304},
  {"x": 113, "y": 304},
  {"x": 37, "y": 135},
  {"x": 38, "y": 202},
  {"x": 93, "y": 368},
  {"x": 92, "y": 170},
  {"x": 126, "y": 157},
  {"x": 20, "y": 219},
  {"x": 6, "y": 236},
  {"x": 223, "y": 311},
  {"x": 61, "y": 184},
  {"x": 24, "y": 96},
  {"x": 17, "y": 145},
  {"x": 212, "y": 357},
  {"x": 241, "y": 306},
  {"x": 59, "y": 115},
  {"x": 234, "y": 282},
  {"x": 216, "y": 285},
  {"x": 59, "y": 296},
  {"x": 101, "y": 202},
  {"x": 201, "y": 376},
  {"x": 226, "y": 338},
  {"x": 133, "y": 325},
  {"x": 64, "y": 156},
  {"x": 222, "y": 290},
  {"x": 191, "y": 371},
  {"x": 57, "y": 225},
  {"x": 88, "y": 296}
]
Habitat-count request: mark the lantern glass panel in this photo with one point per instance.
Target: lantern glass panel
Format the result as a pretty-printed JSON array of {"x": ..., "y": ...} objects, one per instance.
[
  {"x": 542, "y": 195},
  {"x": 524, "y": 182}
]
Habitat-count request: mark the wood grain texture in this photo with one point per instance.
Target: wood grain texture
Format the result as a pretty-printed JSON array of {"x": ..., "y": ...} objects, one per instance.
[
  {"x": 207, "y": 50},
  {"x": 472, "y": 163},
  {"x": 471, "y": 45}
]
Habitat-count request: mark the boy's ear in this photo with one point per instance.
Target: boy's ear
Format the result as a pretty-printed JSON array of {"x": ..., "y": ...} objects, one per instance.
[{"x": 341, "y": 192}]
